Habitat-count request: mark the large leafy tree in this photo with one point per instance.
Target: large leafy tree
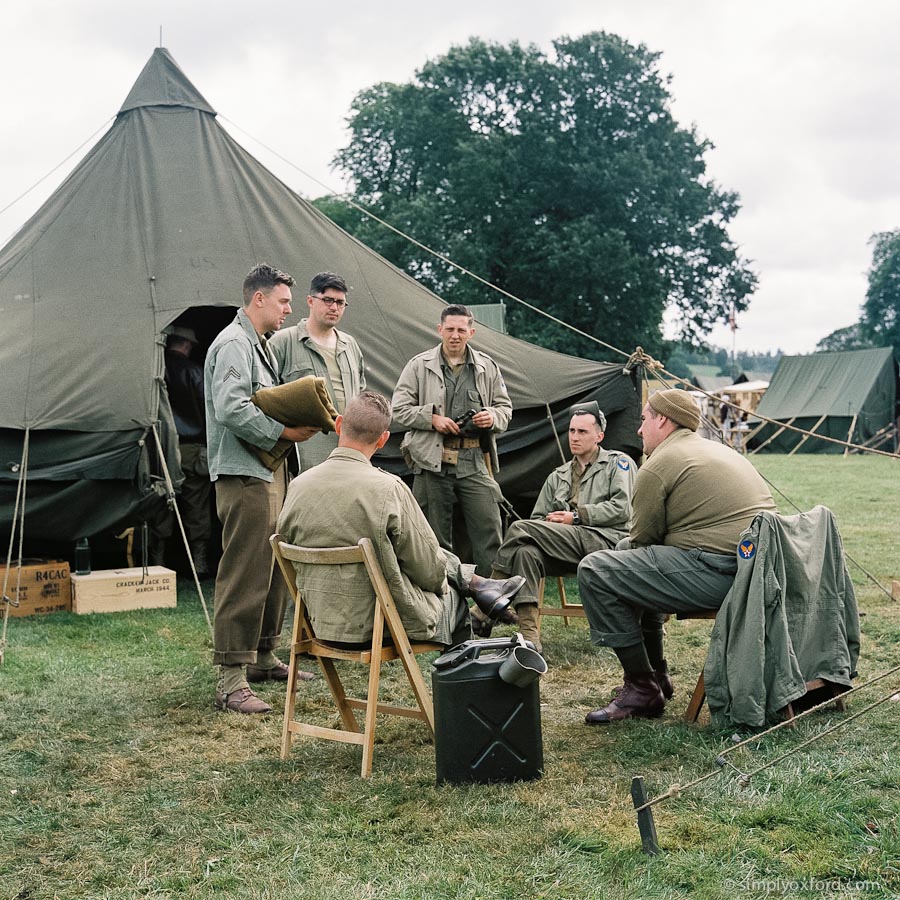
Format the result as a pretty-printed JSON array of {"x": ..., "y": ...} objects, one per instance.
[
  {"x": 560, "y": 177},
  {"x": 881, "y": 310}
]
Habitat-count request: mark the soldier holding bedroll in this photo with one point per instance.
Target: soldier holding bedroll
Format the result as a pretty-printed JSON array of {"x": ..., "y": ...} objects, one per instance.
[
  {"x": 437, "y": 388},
  {"x": 316, "y": 347}
]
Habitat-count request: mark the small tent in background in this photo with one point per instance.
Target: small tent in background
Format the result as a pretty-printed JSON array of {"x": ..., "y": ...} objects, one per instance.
[
  {"x": 851, "y": 396},
  {"x": 160, "y": 222}
]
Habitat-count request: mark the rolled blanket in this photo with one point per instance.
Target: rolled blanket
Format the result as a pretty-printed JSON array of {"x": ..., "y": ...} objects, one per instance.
[{"x": 301, "y": 402}]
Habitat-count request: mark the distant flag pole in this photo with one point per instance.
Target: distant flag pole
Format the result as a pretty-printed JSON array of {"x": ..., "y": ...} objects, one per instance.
[
  {"x": 732, "y": 323},
  {"x": 160, "y": 35}
]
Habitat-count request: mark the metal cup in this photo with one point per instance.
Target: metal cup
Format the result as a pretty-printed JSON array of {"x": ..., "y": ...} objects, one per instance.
[{"x": 522, "y": 666}]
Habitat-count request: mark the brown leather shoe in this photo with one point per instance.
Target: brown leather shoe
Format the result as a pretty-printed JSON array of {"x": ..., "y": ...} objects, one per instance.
[
  {"x": 276, "y": 673},
  {"x": 242, "y": 701},
  {"x": 640, "y": 698},
  {"x": 663, "y": 679}
]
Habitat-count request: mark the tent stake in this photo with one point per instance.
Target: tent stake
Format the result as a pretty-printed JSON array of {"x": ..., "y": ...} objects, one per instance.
[{"x": 646, "y": 825}]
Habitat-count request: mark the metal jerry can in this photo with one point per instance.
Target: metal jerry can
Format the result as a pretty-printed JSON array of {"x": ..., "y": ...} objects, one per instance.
[{"x": 487, "y": 728}]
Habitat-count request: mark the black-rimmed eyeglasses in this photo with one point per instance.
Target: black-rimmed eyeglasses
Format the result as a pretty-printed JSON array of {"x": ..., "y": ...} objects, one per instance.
[{"x": 332, "y": 301}]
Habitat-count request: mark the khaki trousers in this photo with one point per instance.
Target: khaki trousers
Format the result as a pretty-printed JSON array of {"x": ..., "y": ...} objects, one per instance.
[
  {"x": 250, "y": 602},
  {"x": 534, "y": 548},
  {"x": 478, "y": 497}
]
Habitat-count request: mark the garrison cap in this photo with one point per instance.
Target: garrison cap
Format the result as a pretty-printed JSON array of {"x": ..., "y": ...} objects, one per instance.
[{"x": 591, "y": 408}]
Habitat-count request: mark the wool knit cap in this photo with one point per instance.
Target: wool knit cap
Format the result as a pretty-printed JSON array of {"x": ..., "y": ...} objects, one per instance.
[{"x": 678, "y": 406}]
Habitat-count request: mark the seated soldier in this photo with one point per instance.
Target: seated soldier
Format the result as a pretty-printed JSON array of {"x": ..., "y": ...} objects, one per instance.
[
  {"x": 584, "y": 506},
  {"x": 692, "y": 500},
  {"x": 346, "y": 498}
]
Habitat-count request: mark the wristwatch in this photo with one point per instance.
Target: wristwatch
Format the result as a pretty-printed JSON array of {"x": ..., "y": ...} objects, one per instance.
[{"x": 576, "y": 519}]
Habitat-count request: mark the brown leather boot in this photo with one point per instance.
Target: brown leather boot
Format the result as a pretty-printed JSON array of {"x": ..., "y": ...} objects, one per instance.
[
  {"x": 530, "y": 624},
  {"x": 640, "y": 698},
  {"x": 663, "y": 679}
]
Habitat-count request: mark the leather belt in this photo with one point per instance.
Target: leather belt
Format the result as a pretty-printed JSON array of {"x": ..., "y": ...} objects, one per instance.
[{"x": 461, "y": 443}]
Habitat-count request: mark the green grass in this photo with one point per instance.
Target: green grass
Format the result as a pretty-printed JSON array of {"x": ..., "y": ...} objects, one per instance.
[{"x": 117, "y": 778}]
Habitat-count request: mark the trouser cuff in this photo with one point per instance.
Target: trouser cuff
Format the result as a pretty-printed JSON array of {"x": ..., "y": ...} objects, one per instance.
[
  {"x": 234, "y": 657},
  {"x": 616, "y": 639}
]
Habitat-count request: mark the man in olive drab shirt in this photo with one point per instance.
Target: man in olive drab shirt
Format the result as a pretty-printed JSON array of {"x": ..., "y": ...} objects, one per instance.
[
  {"x": 437, "y": 388},
  {"x": 692, "y": 499},
  {"x": 584, "y": 506},
  {"x": 316, "y": 347}
]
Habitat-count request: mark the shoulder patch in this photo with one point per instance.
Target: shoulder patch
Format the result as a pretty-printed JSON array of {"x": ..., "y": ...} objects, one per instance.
[
  {"x": 747, "y": 549},
  {"x": 624, "y": 463}
]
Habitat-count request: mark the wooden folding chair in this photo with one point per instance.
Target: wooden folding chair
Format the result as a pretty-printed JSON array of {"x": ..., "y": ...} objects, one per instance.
[
  {"x": 692, "y": 713},
  {"x": 565, "y": 609},
  {"x": 304, "y": 641},
  {"x": 695, "y": 704}
]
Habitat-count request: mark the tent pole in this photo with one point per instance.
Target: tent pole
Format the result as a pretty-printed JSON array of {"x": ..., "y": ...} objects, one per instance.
[
  {"x": 170, "y": 488},
  {"x": 808, "y": 435},
  {"x": 850, "y": 434},
  {"x": 562, "y": 454},
  {"x": 20, "y": 496},
  {"x": 771, "y": 438}
]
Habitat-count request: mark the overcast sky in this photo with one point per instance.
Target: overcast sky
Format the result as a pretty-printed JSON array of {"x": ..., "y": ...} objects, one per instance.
[{"x": 800, "y": 98}]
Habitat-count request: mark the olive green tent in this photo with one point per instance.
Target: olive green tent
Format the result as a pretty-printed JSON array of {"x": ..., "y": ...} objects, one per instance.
[
  {"x": 161, "y": 220},
  {"x": 851, "y": 396}
]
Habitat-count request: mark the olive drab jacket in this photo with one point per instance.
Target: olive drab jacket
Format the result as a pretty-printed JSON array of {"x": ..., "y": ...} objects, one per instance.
[
  {"x": 336, "y": 503},
  {"x": 237, "y": 366},
  {"x": 604, "y": 494},
  {"x": 790, "y": 617},
  {"x": 296, "y": 355},
  {"x": 420, "y": 394}
]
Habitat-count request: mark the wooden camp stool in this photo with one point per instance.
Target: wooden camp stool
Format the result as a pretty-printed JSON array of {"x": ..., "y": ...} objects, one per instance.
[
  {"x": 304, "y": 642},
  {"x": 692, "y": 713},
  {"x": 565, "y": 609}
]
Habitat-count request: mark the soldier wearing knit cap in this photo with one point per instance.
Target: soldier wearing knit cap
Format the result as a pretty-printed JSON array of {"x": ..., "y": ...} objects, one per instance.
[
  {"x": 692, "y": 499},
  {"x": 679, "y": 406}
]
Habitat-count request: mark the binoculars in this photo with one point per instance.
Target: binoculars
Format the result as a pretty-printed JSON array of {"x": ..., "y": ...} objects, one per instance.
[{"x": 465, "y": 417}]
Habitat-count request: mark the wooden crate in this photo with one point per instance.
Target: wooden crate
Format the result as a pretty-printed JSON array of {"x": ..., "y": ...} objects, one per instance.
[
  {"x": 43, "y": 587},
  {"x": 119, "y": 590}
]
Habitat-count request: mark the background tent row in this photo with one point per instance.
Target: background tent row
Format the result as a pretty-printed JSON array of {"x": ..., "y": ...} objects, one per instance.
[
  {"x": 160, "y": 222},
  {"x": 850, "y": 395}
]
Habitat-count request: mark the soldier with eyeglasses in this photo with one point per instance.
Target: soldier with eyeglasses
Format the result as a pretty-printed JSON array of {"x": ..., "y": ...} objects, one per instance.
[{"x": 316, "y": 347}]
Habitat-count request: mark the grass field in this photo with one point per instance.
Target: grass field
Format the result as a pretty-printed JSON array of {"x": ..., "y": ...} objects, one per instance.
[{"x": 118, "y": 780}]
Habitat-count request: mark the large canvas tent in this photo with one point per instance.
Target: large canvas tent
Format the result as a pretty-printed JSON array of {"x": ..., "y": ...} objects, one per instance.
[
  {"x": 849, "y": 395},
  {"x": 162, "y": 219}
]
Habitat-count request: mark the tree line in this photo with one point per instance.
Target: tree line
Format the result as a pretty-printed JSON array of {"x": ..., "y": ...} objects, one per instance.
[{"x": 879, "y": 321}]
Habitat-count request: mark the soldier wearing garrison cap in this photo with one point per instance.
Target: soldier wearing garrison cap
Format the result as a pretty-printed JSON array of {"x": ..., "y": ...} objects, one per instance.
[
  {"x": 584, "y": 506},
  {"x": 692, "y": 499}
]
